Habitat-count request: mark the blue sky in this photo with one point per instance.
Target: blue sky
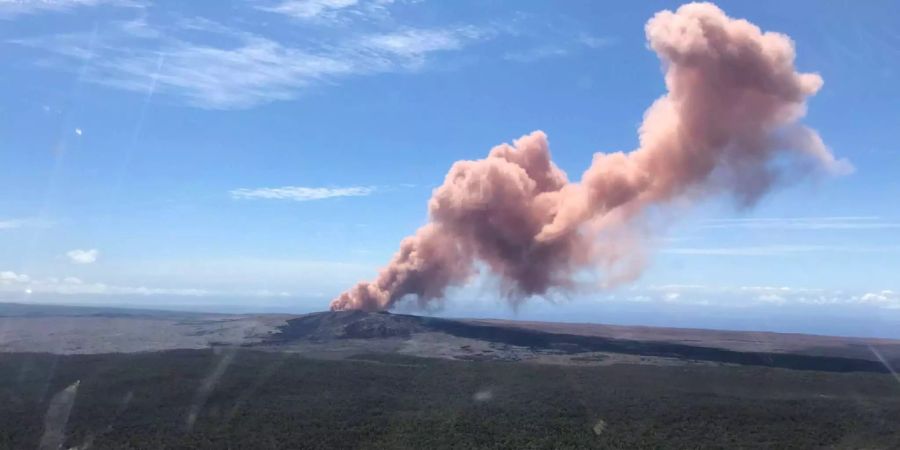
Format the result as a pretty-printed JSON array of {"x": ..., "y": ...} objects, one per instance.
[{"x": 266, "y": 154}]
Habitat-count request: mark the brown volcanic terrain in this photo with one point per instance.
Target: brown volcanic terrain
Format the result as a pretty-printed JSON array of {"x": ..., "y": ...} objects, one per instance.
[
  {"x": 86, "y": 330},
  {"x": 67, "y": 330},
  {"x": 741, "y": 341}
]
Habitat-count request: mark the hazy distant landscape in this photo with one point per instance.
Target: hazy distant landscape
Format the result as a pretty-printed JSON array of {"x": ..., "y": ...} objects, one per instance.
[{"x": 152, "y": 379}]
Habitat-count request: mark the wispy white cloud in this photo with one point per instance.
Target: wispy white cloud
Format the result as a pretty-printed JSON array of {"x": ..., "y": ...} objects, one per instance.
[
  {"x": 7, "y": 278},
  {"x": 239, "y": 68},
  {"x": 10, "y": 8},
  {"x": 535, "y": 54},
  {"x": 806, "y": 223},
  {"x": 776, "y": 250},
  {"x": 301, "y": 193},
  {"x": 412, "y": 44},
  {"x": 749, "y": 296},
  {"x": 684, "y": 290},
  {"x": 333, "y": 12},
  {"x": 256, "y": 71},
  {"x": 10, "y": 224},
  {"x": 11, "y": 282},
  {"x": 244, "y": 274},
  {"x": 563, "y": 47},
  {"x": 884, "y": 298},
  {"x": 78, "y": 256},
  {"x": 596, "y": 41},
  {"x": 309, "y": 9}
]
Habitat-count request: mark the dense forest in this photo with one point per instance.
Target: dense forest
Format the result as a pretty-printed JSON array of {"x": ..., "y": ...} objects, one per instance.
[{"x": 236, "y": 398}]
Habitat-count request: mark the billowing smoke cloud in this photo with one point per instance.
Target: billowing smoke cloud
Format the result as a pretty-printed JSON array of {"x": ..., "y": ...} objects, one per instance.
[{"x": 728, "y": 124}]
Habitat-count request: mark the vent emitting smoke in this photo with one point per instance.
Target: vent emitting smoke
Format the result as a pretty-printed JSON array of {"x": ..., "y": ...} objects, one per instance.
[{"x": 728, "y": 124}]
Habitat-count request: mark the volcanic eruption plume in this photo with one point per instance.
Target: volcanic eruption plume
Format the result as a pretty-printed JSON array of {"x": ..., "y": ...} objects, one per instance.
[{"x": 728, "y": 124}]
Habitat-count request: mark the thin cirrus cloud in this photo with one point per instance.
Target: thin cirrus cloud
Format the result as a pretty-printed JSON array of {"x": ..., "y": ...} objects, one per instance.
[
  {"x": 413, "y": 44},
  {"x": 211, "y": 65},
  {"x": 748, "y": 296},
  {"x": 596, "y": 41},
  {"x": 776, "y": 250},
  {"x": 11, "y": 224},
  {"x": 565, "y": 47},
  {"x": 333, "y": 12},
  {"x": 11, "y": 8},
  {"x": 301, "y": 193},
  {"x": 79, "y": 256},
  {"x": 535, "y": 54},
  {"x": 791, "y": 224},
  {"x": 805, "y": 223},
  {"x": 328, "y": 10},
  {"x": 12, "y": 282}
]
